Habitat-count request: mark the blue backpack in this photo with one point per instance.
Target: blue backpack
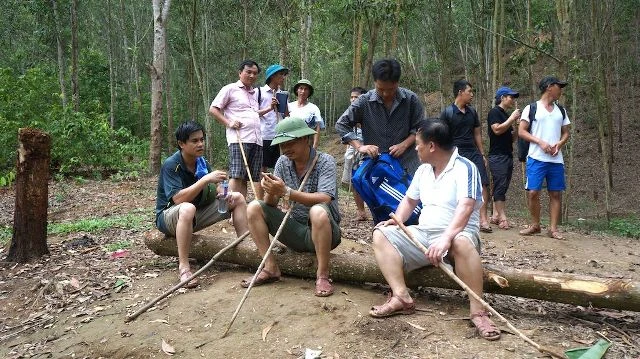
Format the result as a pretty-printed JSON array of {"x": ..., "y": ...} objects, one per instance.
[{"x": 382, "y": 183}]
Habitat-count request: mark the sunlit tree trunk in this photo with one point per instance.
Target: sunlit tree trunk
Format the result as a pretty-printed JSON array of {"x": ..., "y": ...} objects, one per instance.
[
  {"x": 305, "y": 34},
  {"x": 167, "y": 77},
  {"x": 357, "y": 58},
  {"x": 75, "y": 94},
  {"x": 60, "y": 48},
  {"x": 245, "y": 28},
  {"x": 156, "y": 70},
  {"x": 374, "y": 27}
]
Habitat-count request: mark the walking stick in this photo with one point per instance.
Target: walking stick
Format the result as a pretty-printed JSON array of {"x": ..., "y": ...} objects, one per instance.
[
  {"x": 266, "y": 255},
  {"x": 486, "y": 305},
  {"x": 181, "y": 284},
  {"x": 246, "y": 164}
]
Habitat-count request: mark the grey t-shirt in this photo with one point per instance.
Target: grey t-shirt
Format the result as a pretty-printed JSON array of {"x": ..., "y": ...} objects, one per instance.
[{"x": 323, "y": 178}]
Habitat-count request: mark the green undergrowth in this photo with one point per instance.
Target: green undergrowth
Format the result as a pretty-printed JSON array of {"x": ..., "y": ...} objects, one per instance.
[
  {"x": 619, "y": 226},
  {"x": 5, "y": 235},
  {"x": 93, "y": 225}
]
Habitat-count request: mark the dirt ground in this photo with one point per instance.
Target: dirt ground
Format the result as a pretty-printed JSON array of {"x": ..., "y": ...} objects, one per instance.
[{"x": 73, "y": 303}]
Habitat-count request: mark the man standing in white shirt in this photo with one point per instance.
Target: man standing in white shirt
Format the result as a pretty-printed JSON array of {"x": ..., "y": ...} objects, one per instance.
[{"x": 547, "y": 134}]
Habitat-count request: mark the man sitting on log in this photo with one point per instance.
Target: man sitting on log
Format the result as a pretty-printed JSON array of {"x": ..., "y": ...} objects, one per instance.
[
  {"x": 448, "y": 185},
  {"x": 187, "y": 199},
  {"x": 313, "y": 225}
]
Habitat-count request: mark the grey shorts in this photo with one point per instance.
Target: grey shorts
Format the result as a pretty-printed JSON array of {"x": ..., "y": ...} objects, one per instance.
[
  {"x": 205, "y": 216},
  {"x": 412, "y": 256}
]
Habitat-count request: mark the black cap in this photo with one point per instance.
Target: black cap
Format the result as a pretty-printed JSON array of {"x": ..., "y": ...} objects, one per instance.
[{"x": 550, "y": 80}]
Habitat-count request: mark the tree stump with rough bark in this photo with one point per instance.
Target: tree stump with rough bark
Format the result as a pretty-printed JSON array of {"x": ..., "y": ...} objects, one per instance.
[{"x": 30, "y": 217}]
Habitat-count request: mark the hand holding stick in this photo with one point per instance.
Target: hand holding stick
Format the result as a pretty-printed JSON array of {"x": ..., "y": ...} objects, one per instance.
[
  {"x": 266, "y": 255},
  {"x": 246, "y": 164},
  {"x": 471, "y": 293}
]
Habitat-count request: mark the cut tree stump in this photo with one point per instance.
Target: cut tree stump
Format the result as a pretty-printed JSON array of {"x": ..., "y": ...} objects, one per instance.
[
  {"x": 29, "y": 239},
  {"x": 352, "y": 262}
]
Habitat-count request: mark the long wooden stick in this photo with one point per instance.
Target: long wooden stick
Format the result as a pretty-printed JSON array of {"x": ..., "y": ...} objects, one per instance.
[
  {"x": 246, "y": 164},
  {"x": 266, "y": 255},
  {"x": 181, "y": 284},
  {"x": 464, "y": 286}
]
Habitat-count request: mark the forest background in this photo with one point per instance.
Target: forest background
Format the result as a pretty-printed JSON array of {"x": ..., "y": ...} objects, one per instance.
[{"x": 109, "y": 80}]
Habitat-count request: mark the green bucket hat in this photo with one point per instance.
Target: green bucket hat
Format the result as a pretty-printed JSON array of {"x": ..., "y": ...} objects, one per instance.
[
  {"x": 291, "y": 128},
  {"x": 303, "y": 82}
]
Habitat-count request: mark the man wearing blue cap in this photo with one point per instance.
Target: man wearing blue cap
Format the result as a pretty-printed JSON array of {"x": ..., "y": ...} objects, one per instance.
[
  {"x": 501, "y": 138},
  {"x": 547, "y": 134},
  {"x": 275, "y": 76},
  {"x": 313, "y": 225}
]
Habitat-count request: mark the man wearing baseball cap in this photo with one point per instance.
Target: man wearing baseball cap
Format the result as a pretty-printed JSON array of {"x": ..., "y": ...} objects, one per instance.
[
  {"x": 501, "y": 138},
  {"x": 313, "y": 225},
  {"x": 547, "y": 134},
  {"x": 275, "y": 76}
]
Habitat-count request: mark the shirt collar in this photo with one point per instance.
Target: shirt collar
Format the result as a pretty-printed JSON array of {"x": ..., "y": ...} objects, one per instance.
[
  {"x": 400, "y": 95},
  {"x": 242, "y": 86},
  {"x": 452, "y": 160}
]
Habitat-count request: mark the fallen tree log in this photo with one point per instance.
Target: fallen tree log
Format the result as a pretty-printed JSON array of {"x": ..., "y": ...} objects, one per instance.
[{"x": 352, "y": 262}]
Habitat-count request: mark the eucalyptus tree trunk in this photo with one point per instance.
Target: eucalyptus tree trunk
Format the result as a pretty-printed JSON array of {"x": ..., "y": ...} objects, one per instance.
[
  {"x": 75, "y": 94},
  {"x": 245, "y": 28},
  {"x": 60, "y": 48},
  {"x": 598, "y": 14},
  {"x": 305, "y": 32},
  {"x": 112, "y": 83},
  {"x": 160, "y": 17},
  {"x": 357, "y": 53},
  {"x": 374, "y": 27},
  {"x": 167, "y": 92},
  {"x": 394, "y": 30},
  {"x": 495, "y": 53}
]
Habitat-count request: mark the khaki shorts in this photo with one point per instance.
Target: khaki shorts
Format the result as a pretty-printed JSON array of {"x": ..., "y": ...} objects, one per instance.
[
  {"x": 205, "y": 216},
  {"x": 412, "y": 256}
]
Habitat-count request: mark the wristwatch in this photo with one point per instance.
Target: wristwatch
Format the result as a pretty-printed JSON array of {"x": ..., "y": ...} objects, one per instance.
[{"x": 287, "y": 194}]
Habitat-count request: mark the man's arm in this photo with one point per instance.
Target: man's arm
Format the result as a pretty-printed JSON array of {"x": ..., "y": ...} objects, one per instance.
[
  {"x": 463, "y": 212},
  {"x": 399, "y": 149},
  {"x": 523, "y": 132},
  {"x": 500, "y": 128},
  {"x": 564, "y": 137},
  {"x": 190, "y": 193}
]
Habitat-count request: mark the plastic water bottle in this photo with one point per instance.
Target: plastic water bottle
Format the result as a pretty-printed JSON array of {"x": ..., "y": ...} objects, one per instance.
[{"x": 222, "y": 204}]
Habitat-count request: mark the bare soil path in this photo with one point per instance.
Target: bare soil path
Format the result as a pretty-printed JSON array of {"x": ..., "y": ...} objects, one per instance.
[{"x": 72, "y": 304}]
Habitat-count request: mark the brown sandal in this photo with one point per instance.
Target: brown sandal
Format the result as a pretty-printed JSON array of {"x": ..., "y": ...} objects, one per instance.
[
  {"x": 270, "y": 278},
  {"x": 324, "y": 288},
  {"x": 485, "y": 326},
  {"x": 387, "y": 309},
  {"x": 554, "y": 234},
  {"x": 186, "y": 273},
  {"x": 530, "y": 230},
  {"x": 504, "y": 224}
]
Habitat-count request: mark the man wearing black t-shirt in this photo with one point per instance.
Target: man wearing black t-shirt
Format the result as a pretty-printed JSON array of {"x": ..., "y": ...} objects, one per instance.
[
  {"x": 467, "y": 136},
  {"x": 501, "y": 138}
]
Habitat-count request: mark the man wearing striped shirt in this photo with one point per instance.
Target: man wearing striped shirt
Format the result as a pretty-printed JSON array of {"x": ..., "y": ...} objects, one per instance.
[{"x": 448, "y": 185}]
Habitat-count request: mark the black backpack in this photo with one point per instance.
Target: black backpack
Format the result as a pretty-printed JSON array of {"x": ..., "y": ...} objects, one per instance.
[
  {"x": 448, "y": 113},
  {"x": 523, "y": 146}
]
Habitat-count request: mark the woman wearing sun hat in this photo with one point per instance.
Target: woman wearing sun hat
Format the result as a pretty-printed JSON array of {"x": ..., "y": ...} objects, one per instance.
[{"x": 306, "y": 110}]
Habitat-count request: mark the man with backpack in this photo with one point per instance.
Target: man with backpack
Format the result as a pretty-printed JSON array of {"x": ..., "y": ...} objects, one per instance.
[
  {"x": 547, "y": 132},
  {"x": 389, "y": 116},
  {"x": 467, "y": 136}
]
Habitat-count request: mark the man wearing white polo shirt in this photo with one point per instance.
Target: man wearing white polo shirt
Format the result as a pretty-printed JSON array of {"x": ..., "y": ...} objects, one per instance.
[{"x": 449, "y": 187}]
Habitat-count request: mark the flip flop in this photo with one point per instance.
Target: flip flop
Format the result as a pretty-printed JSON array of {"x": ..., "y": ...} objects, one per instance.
[
  {"x": 530, "y": 230},
  {"x": 270, "y": 278},
  {"x": 485, "y": 229},
  {"x": 494, "y": 221},
  {"x": 324, "y": 288},
  {"x": 387, "y": 310},
  {"x": 184, "y": 274},
  {"x": 504, "y": 224},
  {"x": 555, "y": 234},
  {"x": 485, "y": 326}
]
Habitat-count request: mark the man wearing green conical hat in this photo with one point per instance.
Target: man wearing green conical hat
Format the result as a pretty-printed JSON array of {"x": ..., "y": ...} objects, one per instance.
[{"x": 313, "y": 225}]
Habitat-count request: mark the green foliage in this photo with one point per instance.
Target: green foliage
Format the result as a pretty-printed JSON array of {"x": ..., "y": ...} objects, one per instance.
[
  {"x": 82, "y": 142},
  {"x": 93, "y": 225},
  {"x": 7, "y": 179},
  {"x": 112, "y": 247},
  {"x": 6, "y": 233},
  {"x": 627, "y": 227}
]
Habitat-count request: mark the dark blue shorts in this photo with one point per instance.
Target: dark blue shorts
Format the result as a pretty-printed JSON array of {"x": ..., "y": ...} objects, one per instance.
[
  {"x": 538, "y": 171},
  {"x": 270, "y": 154}
]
